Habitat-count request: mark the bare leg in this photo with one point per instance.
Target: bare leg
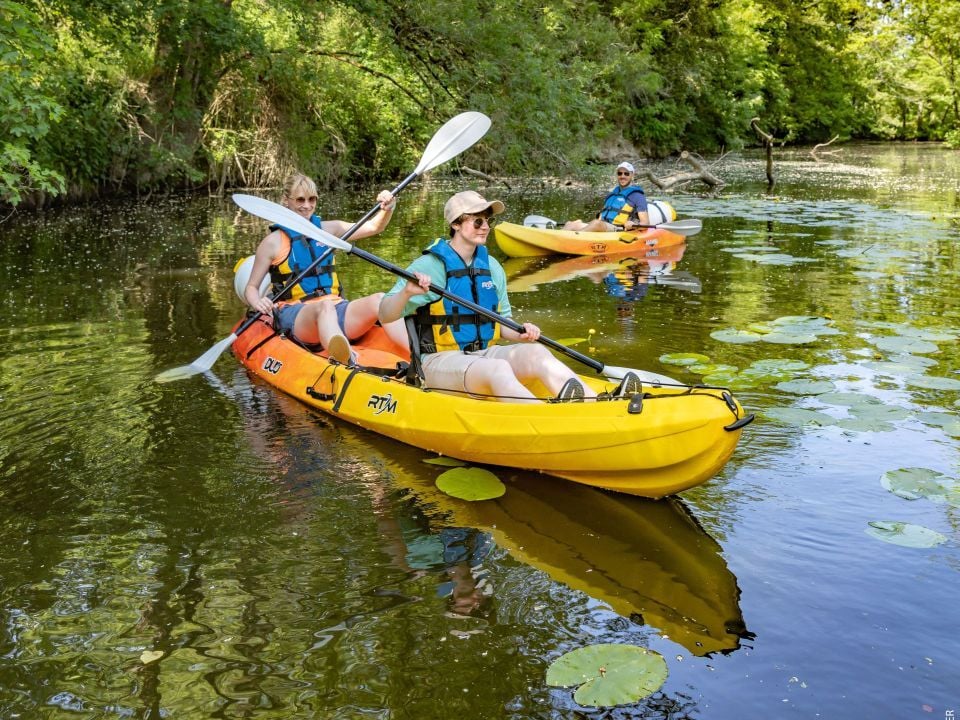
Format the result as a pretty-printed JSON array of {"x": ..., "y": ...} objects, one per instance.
[
  {"x": 534, "y": 362},
  {"x": 488, "y": 376},
  {"x": 317, "y": 323},
  {"x": 361, "y": 315}
]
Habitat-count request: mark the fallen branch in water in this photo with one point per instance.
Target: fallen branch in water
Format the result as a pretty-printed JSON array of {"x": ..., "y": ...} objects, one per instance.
[
  {"x": 701, "y": 173},
  {"x": 816, "y": 147},
  {"x": 488, "y": 178}
]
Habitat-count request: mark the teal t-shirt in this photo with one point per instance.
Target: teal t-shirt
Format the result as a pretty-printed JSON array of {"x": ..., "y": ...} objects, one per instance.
[{"x": 431, "y": 265}]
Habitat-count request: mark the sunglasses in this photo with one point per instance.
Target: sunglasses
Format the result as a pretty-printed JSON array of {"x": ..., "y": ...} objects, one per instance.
[
  {"x": 311, "y": 199},
  {"x": 478, "y": 221},
  {"x": 623, "y": 173}
]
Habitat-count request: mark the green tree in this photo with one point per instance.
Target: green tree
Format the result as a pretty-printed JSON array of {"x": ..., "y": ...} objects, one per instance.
[{"x": 26, "y": 110}]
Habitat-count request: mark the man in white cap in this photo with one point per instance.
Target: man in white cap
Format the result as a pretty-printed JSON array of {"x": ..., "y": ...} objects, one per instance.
[
  {"x": 457, "y": 347},
  {"x": 625, "y": 208}
]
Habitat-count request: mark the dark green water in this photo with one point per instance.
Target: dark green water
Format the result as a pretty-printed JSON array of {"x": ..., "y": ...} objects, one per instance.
[{"x": 272, "y": 563}]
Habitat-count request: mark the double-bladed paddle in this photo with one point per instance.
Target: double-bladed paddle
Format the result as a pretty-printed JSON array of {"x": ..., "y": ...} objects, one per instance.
[
  {"x": 456, "y": 135},
  {"x": 284, "y": 216},
  {"x": 688, "y": 227}
]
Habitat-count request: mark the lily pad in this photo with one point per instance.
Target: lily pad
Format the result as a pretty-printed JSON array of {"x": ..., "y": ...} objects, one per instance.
[
  {"x": 445, "y": 461},
  {"x": 931, "y": 334},
  {"x": 780, "y": 365},
  {"x": 806, "y": 387},
  {"x": 609, "y": 674},
  {"x": 721, "y": 378},
  {"x": 933, "y": 382},
  {"x": 800, "y": 416},
  {"x": 789, "y": 338},
  {"x": 898, "y": 343},
  {"x": 904, "y": 534},
  {"x": 711, "y": 369},
  {"x": 848, "y": 399},
  {"x": 471, "y": 484},
  {"x": 915, "y": 483},
  {"x": 684, "y": 359},
  {"x": 737, "y": 337}
]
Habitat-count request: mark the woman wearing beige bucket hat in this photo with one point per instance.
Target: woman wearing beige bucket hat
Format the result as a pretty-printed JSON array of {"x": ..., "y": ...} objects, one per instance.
[
  {"x": 457, "y": 347},
  {"x": 624, "y": 208}
]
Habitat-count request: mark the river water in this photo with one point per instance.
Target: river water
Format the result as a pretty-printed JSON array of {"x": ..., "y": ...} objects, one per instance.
[{"x": 212, "y": 548}]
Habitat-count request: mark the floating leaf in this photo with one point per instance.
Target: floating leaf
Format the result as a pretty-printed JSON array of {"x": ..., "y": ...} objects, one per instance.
[
  {"x": 609, "y": 674},
  {"x": 931, "y": 334},
  {"x": 933, "y": 382},
  {"x": 806, "y": 387},
  {"x": 683, "y": 359},
  {"x": 915, "y": 483},
  {"x": 711, "y": 369},
  {"x": 858, "y": 424},
  {"x": 737, "y": 337},
  {"x": 445, "y": 461},
  {"x": 849, "y": 399},
  {"x": 149, "y": 656},
  {"x": 800, "y": 416},
  {"x": 779, "y": 365},
  {"x": 471, "y": 484},
  {"x": 721, "y": 378},
  {"x": 788, "y": 338},
  {"x": 905, "y": 534},
  {"x": 898, "y": 343}
]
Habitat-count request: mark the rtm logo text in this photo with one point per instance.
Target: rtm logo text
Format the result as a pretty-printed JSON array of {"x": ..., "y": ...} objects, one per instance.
[{"x": 382, "y": 404}]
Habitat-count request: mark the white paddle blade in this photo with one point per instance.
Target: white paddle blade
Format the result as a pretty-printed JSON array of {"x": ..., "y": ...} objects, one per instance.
[
  {"x": 456, "y": 135},
  {"x": 280, "y": 215},
  {"x": 200, "y": 365},
  {"x": 683, "y": 227},
  {"x": 539, "y": 221}
]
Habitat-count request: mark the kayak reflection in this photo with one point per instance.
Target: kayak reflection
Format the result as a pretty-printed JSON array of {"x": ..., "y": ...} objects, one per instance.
[
  {"x": 625, "y": 277},
  {"x": 649, "y": 561}
]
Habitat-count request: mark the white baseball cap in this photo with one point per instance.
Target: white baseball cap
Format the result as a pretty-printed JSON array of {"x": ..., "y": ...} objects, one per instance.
[{"x": 626, "y": 166}]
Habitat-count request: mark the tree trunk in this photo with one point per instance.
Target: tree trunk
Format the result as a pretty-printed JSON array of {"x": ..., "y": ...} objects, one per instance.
[{"x": 192, "y": 40}]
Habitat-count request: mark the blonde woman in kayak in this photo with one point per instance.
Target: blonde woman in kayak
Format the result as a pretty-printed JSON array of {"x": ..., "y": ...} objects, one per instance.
[
  {"x": 334, "y": 320},
  {"x": 457, "y": 347},
  {"x": 624, "y": 208}
]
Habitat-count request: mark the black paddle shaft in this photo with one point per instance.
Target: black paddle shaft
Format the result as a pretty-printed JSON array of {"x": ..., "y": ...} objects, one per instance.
[
  {"x": 324, "y": 255},
  {"x": 480, "y": 310}
]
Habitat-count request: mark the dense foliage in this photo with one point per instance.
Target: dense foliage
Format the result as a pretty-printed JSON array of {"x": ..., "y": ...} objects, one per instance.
[{"x": 105, "y": 96}]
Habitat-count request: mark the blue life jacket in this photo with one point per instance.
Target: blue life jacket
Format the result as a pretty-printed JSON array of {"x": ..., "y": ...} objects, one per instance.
[
  {"x": 613, "y": 205},
  {"x": 447, "y": 325},
  {"x": 301, "y": 252}
]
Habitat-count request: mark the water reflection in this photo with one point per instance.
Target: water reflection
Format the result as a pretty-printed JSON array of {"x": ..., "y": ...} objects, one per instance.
[
  {"x": 624, "y": 277},
  {"x": 650, "y": 561}
]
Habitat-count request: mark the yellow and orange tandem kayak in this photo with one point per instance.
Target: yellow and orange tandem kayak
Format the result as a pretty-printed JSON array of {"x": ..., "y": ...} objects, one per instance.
[
  {"x": 671, "y": 439},
  {"x": 525, "y": 241}
]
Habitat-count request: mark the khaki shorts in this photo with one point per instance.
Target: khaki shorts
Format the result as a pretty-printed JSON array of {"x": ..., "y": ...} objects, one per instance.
[{"x": 447, "y": 370}]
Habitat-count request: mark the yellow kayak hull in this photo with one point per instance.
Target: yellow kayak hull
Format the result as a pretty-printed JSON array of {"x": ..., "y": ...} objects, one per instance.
[
  {"x": 523, "y": 241},
  {"x": 680, "y": 439}
]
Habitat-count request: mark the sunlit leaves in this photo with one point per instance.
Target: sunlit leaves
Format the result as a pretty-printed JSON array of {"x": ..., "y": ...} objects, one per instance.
[{"x": 609, "y": 674}]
